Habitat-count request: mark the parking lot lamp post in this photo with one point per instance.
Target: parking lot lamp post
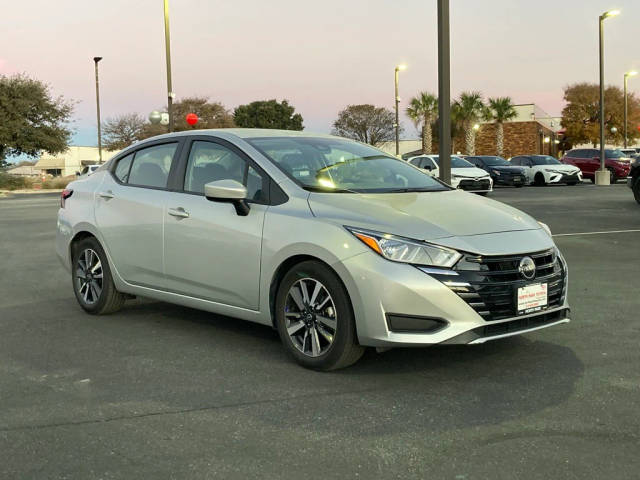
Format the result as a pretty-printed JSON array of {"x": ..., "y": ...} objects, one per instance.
[
  {"x": 167, "y": 46},
  {"x": 397, "y": 100},
  {"x": 626, "y": 77},
  {"x": 602, "y": 175},
  {"x": 95, "y": 62},
  {"x": 444, "y": 92}
]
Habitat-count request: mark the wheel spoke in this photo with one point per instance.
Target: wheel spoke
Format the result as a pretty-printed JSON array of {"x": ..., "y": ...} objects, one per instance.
[
  {"x": 329, "y": 322},
  {"x": 305, "y": 293},
  {"x": 324, "y": 302},
  {"x": 80, "y": 273},
  {"x": 315, "y": 342},
  {"x": 295, "y": 327},
  {"x": 294, "y": 293},
  {"x": 97, "y": 266},
  {"x": 314, "y": 295},
  {"x": 86, "y": 292},
  {"x": 304, "y": 340},
  {"x": 292, "y": 314},
  {"x": 96, "y": 289},
  {"x": 328, "y": 337}
]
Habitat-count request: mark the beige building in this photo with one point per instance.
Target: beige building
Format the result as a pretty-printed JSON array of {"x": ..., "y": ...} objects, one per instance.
[
  {"x": 71, "y": 161},
  {"x": 24, "y": 171}
]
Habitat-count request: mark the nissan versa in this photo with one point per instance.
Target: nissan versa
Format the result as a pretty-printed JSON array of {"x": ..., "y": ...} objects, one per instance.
[{"x": 336, "y": 244}]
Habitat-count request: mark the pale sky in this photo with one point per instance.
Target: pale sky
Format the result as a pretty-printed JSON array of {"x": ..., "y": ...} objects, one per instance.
[{"x": 321, "y": 56}]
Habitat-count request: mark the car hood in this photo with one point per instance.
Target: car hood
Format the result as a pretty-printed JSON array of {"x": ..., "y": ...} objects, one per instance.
[
  {"x": 558, "y": 168},
  {"x": 424, "y": 215},
  {"x": 469, "y": 172}
]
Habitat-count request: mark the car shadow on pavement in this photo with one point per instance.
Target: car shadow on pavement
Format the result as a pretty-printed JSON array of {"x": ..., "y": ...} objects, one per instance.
[{"x": 402, "y": 389}]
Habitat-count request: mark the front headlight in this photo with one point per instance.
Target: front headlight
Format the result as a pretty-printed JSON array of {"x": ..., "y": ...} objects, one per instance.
[
  {"x": 546, "y": 228},
  {"x": 405, "y": 250}
]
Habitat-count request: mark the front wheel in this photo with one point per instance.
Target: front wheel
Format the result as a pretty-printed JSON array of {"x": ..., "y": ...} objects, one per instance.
[
  {"x": 314, "y": 318},
  {"x": 539, "y": 180},
  {"x": 92, "y": 282}
]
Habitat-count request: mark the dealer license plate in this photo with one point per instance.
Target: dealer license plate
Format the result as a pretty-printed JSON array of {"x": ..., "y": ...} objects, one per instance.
[{"x": 531, "y": 298}]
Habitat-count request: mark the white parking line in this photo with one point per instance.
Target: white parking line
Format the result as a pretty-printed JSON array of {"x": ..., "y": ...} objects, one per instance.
[{"x": 594, "y": 233}]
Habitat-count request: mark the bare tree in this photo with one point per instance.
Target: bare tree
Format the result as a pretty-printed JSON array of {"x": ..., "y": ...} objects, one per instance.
[
  {"x": 123, "y": 130},
  {"x": 366, "y": 123}
]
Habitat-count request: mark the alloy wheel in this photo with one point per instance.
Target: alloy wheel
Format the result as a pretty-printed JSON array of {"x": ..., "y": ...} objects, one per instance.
[
  {"x": 89, "y": 276},
  {"x": 310, "y": 317}
]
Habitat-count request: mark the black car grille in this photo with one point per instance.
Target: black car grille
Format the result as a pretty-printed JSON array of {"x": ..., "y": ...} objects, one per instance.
[
  {"x": 471, "y": 184},
  {"x": 489, "y": 283}
]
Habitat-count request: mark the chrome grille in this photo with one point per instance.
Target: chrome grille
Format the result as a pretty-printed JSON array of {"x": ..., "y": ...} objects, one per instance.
[{"x": 488, "y": 283}]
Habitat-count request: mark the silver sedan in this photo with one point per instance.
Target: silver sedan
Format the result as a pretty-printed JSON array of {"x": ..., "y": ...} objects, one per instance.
[{"x": 334, "y": 243}]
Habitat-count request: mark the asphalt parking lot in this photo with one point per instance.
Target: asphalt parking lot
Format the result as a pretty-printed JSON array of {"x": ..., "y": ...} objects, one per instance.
[{"x": 161, "y": 391}]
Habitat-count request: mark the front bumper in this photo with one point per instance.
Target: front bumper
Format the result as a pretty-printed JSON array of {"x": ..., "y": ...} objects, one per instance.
[
  {"x": 381, "y": 289},
  {"x": 473, "y": 184},
  {"x": 565, "y": 178},
  {"x": 509, "y": 180}
]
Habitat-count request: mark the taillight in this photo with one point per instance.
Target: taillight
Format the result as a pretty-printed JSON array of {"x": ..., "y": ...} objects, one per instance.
[{"x": 66, "y": 193}]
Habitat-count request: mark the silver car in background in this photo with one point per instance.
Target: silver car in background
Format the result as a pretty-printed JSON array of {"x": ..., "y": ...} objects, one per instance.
[{"x": 334, "y": 243}]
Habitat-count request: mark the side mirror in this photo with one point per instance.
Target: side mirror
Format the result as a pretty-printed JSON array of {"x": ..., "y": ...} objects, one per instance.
[{"x": 228, "y": 191}]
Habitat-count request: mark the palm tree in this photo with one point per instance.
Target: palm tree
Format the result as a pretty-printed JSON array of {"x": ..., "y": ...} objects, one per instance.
[
  {"x": 423, "y": 110},
  {"x": 501, "y": 110},
  {"x": 468, "y": 109}
]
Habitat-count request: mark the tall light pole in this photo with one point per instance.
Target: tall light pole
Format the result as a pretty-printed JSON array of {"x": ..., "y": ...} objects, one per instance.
[
  {"x": 444, "y": 92},
  {"x": 626, "y": 76},
  {"x": 167, "y": 46},
  {"x": 602, "y": 175},
  {"x": 397, "y": 124},
  {"x": 95, "y": 62}
]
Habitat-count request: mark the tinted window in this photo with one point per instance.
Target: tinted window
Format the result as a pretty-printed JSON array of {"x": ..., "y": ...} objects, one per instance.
[
  {"x": 151, "y": 166},
  {"x": 210, "y": 162},
  {"x": 516, "y": 161},
  {"x": 544, "y": 160},
  {"x": 340, "y": 165},
  {"x": 122, "y": 168},
  {"x": 417, "y": 161},
  {"x": 494, "y": 161},
  {"x": 475, "y": 161}
]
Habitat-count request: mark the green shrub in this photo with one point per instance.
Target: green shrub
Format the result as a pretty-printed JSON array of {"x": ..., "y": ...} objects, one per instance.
[
  {"x": 57, "y": 182},
  {"x": 14, "y": 182}
]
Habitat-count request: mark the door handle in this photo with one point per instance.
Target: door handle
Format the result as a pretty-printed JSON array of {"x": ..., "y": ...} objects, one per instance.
[
  {"x": 108, "y": 195},
  {"x": 178, "y": 212}
]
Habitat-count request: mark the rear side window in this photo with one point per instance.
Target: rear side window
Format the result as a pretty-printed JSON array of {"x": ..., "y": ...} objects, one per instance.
[
  {"x": 123, "y": 167},
  {"x": 151, "y": 166},
  {"x": 516, "y": 161}
]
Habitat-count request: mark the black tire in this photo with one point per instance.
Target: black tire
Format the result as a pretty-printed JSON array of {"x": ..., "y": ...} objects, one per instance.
[
  {"x": 636, "y": 189},
  {"x": 613, "y": 179},
  {"x": 538, "y": 180},
  {"x": 593, "y": 179},
  {"x": 520, "y": 185},
  {"x": 571, "y": 184},
  {"x": 108, "y": 300},
  {"x": 344, "y": 349}
]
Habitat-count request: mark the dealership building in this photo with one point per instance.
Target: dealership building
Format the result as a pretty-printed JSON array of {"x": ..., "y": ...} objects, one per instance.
[{"x": 73, "y": 160}]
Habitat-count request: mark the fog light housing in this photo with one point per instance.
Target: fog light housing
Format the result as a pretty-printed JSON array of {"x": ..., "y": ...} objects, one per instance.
[{"x": 414, "y": 324}]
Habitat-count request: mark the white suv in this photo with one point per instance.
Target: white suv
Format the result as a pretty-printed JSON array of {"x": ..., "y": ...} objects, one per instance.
[{"x": 464, "y": 175}]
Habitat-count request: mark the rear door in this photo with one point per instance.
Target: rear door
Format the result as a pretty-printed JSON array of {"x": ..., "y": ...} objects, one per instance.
[
  {"x": 210, "y": 251},
  {"x": 129, "y": 209}
]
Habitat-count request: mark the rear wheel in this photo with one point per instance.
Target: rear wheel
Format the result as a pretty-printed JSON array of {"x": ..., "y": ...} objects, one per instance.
[
  {"x": 314, "y": 318},
  {"x": 539, "y": 180},
  {"x": 92, "y": 282}
]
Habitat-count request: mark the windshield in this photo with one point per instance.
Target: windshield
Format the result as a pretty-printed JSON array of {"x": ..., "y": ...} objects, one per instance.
[
  {"x": 495, "y": 161},
  {"x": 544, "y": 160},
  {"x": 456, "y": 162},
  {"x": 341, "y": 165},
  {"x": 610, "y": 153}
]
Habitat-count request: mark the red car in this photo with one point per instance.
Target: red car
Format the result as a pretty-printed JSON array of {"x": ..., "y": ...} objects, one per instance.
[{"x": 588, "y": 160}]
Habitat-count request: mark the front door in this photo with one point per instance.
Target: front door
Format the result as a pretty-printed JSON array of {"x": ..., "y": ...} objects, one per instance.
[
  {"x": 210, "y": 251},
  {"x": 129, "y": 209}
]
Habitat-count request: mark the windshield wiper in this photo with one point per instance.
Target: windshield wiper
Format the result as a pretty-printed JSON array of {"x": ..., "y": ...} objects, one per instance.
[
  {"x": 312, "y": 188},
  {"x": 416, "y": 189}
]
